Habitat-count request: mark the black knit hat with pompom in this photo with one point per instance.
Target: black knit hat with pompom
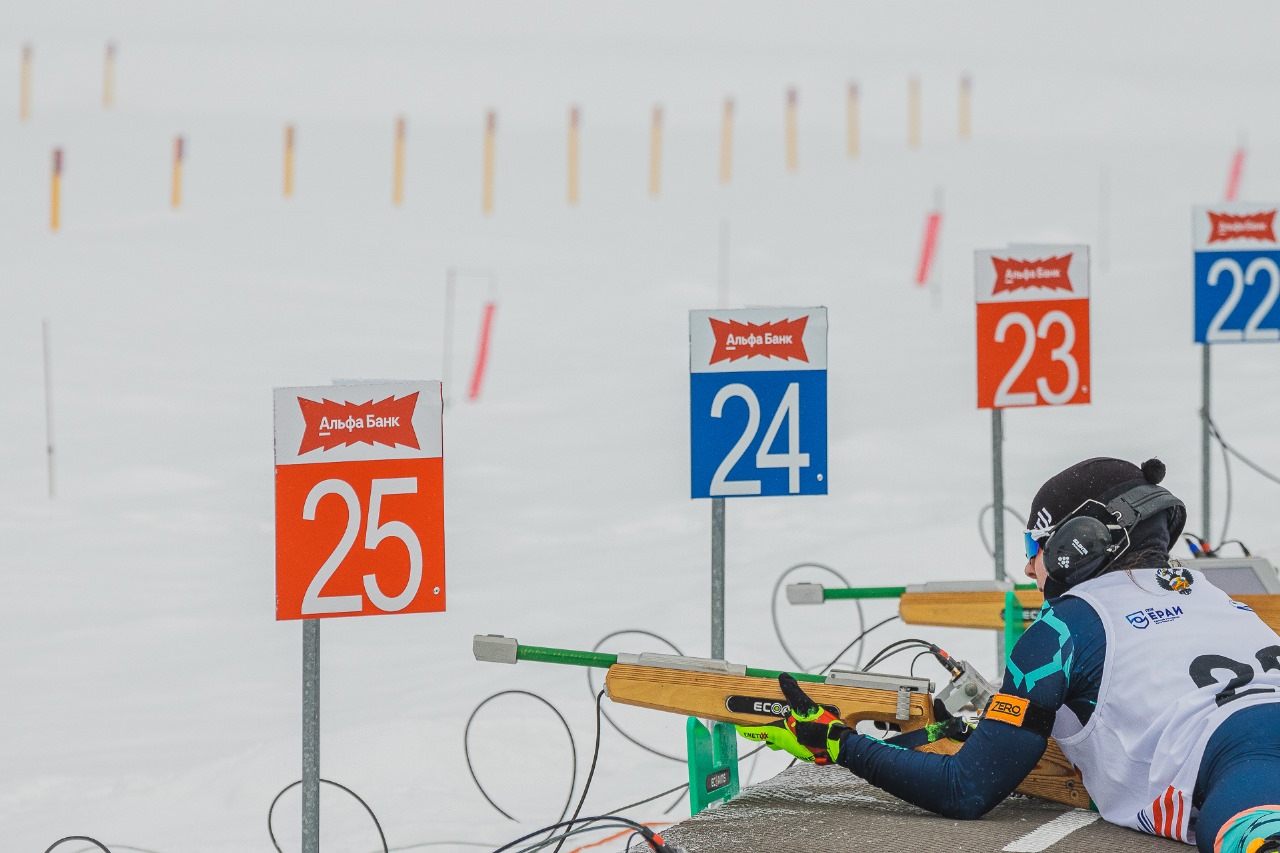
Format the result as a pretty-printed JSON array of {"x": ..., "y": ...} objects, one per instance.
[{"x": 1102, "y": 479}]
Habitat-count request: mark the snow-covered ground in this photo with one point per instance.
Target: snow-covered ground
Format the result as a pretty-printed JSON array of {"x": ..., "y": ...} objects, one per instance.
[{"x": 151, "y": 700}]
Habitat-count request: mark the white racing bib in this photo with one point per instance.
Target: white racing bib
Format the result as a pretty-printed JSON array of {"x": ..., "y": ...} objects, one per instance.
[{"x": 1181, "y": 657}]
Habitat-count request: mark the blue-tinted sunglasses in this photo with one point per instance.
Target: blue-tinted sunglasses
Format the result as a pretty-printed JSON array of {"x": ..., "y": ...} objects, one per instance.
[{"x": 1033, "y": 547}]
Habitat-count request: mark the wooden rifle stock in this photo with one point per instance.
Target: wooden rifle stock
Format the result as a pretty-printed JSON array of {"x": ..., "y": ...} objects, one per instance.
[
  {"x": 706, "y": 695},
  {"x": 716, "y": 690},
  {"x": 986, "y": 609}
]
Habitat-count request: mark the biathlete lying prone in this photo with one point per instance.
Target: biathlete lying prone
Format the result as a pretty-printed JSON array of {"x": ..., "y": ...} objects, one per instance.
[{"x": 1159, "y": 688}]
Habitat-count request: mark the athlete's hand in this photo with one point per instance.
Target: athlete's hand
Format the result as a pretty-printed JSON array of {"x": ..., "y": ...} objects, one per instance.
[{"x": 809, "y": 732}]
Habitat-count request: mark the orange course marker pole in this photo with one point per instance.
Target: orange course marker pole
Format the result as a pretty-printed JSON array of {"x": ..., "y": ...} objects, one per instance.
[
  {"x": 490, "y": 142},
  {"x": 966, "y": 93},
  {"x": 913, "y": 113},
  {"x": 793, "y": 153},
  {"x": 574, "y": 120},
  {"x": 288, "y": 160},
  {"x": 24, "y": 98},
  {"x": 55, "y": 196},
  {"x": 852, "y": 142},
  {"x": 397, "y": 181},
  {"x": 109, "y": 77},
  {"x": 655, "y": 153},
  {"x": 175, "y": 196},
  {"x": 726, "y": 142}
]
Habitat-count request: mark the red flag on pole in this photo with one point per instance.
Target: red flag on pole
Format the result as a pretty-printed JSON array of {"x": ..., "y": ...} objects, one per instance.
[
  {"x": 932, "y": 225},
  {"x": 1233, "y": 177},
  {"x": 482, "y": 352}
]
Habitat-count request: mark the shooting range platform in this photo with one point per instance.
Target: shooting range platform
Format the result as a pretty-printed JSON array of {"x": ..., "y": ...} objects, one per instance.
[{"x": 820, "y": 809}]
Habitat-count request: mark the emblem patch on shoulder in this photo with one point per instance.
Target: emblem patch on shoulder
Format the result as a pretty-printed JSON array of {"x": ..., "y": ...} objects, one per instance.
[{"x": 1175, "y": 579}]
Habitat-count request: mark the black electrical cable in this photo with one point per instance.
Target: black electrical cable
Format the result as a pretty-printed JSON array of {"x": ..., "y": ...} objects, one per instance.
[
  {"x": 592, "y": 687},
  {"x": 606, "y": 820},
  {"x": 1226, "y": 470},
  {"x": 86, "y": 838},
  {"x": 573, "y": 747},
  {"x": 271, "y": 830},
  {"x": 897, "y": 648},
  {"x": 647, "y": 800},
  {"x": 982, "y": 531},
  {"x": 564, "y": 836},
  {"x": 856, "y": 639},
  {"x": 595, "y": 756},
  {"x": 114, "y": 848},
  {"x": 1243, "y": 547},
  {"x": 773, "y": 610},
  {"x": 486, "y": 845},
  {"x": 1217, "y": 435},
  {"x": 912, "y": 670},
  {"x": 1226, "y": 467},
  {"x": 906, "y": 641},
  {"x": 682, "y": 788}
]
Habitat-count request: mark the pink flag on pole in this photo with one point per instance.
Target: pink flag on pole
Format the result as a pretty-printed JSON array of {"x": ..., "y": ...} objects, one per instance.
[
  {"x": 482, "y": 352},
  {"x": 1233, "y": 177},
  {"x": 932, "y": 226}
]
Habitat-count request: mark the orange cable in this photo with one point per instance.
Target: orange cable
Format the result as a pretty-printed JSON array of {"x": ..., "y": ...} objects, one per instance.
[{"x": 617, "y": 835}]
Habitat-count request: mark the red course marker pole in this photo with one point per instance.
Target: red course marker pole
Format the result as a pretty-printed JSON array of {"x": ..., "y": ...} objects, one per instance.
[
  {"x": 1233, "y": 177},
  {"x": 482, "y": 353},
  {"x": 932, "y": 225}
]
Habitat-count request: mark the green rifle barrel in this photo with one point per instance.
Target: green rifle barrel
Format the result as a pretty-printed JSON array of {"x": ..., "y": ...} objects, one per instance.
[
  {"x": 570, "y": 657},
  {"x": 864, "y": 592},
  {"x": 573, "y": 657},
  {"x": 829, "y": 594},
  {"x": 772, "y": 675}
]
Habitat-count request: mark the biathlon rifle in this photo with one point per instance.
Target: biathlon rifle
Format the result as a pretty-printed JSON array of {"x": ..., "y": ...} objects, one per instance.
[
  {"x": 994, "y": 605},
  {"x": 733, "y": 693}
]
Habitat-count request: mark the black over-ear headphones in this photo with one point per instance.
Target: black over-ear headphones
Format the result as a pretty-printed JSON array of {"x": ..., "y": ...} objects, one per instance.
[{"x": 1082, "y": 546}]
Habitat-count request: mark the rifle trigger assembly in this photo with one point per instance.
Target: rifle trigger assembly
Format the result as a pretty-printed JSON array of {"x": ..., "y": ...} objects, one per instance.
[{"x": 968, "y": 692}]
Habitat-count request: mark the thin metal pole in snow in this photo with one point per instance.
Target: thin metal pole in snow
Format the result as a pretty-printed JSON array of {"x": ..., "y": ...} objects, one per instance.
[
  {"x": 717, "y": 504},
  {"x": 717, "y": 578},
  {"x": 936, "y": 285},
  {"x": 48, "y": 402},
  {"x": 450, "y": 284},
  {"x": 1104, "y": 219},
  {"x": 997, "y": 508},
  {"x": 311, "y": 736},
  {"x": 1205, "y": 468},
  {"x": 722, "y": 295}
]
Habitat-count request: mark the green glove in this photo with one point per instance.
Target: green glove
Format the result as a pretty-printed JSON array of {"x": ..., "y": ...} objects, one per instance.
[
  {"x": 776, "y": 735},
  {"x": 810, "y": 732}
]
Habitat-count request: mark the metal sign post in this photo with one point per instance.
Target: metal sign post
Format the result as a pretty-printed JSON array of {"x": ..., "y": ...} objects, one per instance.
[
  {"x": 311, "y": 736},
  {"x": 717, "y": 578},
  {"x": 997, "y": 510},
  {"x": 1033, "y": 348},
  {"x": 1205, "y": 461},
  {"x": 48, "y": 403},
  {"x": 1236, "y": 282},
  {"x": 349, "y": 458},
  {"x": 758, "y": 409}
]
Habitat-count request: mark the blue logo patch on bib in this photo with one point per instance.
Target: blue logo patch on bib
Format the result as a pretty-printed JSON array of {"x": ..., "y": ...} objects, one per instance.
[{"x": 1143, "y": 619}]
